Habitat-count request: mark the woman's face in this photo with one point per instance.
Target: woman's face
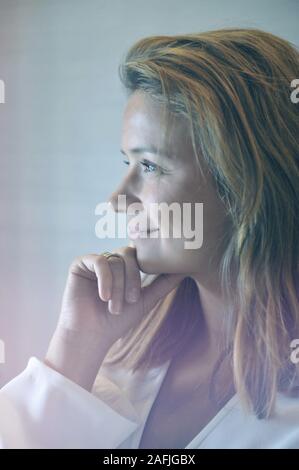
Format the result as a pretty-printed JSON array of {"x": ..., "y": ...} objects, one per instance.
[{"x": 170, "y": 176}]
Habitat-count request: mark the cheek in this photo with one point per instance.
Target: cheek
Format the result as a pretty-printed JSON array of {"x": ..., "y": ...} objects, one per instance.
[
  {"x": 164, "y": 200},
  {"x": 184, "y": 215}
]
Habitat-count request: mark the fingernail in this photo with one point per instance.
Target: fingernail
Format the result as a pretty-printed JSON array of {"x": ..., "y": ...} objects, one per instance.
[
  {"x": 113, "y": 308},
  {"x": 133, "y": 295}
]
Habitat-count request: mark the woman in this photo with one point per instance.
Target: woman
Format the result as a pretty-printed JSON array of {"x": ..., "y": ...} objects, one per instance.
[{"x": 203, "y": 349}]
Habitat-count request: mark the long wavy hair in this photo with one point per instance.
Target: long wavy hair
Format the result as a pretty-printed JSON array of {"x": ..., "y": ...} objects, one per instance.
[{"x": 234, "y": 87}]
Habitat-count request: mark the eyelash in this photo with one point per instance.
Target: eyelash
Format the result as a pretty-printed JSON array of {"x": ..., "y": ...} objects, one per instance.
[{"x": 147, "y": 164}]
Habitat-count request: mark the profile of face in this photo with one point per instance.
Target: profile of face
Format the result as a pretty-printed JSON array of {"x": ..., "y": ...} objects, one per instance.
[{"x": 162, "y": 168}]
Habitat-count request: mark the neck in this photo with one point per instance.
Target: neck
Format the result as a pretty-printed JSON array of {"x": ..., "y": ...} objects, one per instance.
[{"x": 216, "y": 308}]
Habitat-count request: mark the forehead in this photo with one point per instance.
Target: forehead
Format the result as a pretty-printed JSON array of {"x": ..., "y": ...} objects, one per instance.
[{"x": 147, "y": 123}]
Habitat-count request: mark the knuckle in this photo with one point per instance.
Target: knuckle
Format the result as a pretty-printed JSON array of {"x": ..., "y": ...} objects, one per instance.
[
  {"x": 99, "y": 262},
  {"x": 75, "y": 263},
  {"x": 101, "y": 259},
  {"x": 129, "y": 251},
  {"x": 117, "y": 263}
]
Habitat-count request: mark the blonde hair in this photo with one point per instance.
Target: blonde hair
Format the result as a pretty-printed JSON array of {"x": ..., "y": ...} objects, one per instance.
[{"x": 233, "y": 86}]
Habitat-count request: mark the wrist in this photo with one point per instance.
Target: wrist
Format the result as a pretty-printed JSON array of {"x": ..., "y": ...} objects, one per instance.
[{"x": 75, "y": 357}]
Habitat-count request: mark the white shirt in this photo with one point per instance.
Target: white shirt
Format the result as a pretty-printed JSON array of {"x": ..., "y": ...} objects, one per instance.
[{"x": 41, "y": 408}]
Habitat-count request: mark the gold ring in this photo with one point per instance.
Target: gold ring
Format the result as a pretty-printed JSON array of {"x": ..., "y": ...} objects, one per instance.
[{"x": 107, "y": 254}]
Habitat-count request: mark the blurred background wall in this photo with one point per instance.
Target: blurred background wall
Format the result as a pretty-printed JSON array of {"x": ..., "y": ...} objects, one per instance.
[{"x": 60, "y": 136}]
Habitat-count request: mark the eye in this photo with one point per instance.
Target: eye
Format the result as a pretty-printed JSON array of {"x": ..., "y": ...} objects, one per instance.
[{"x": 148, "y": 166}]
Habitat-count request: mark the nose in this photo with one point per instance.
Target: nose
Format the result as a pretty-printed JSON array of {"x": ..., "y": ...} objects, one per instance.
[{"x": 121, "y": 200}]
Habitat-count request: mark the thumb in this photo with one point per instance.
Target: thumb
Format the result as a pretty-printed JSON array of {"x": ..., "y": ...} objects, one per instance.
[{"x": 159, "y": 288}]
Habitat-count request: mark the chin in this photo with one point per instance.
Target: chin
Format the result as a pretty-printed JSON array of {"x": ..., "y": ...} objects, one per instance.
[
  {"x": 150, "y": 268},
  {"x": 155, "y": 267},
  {"x": 149, "y": 265}
]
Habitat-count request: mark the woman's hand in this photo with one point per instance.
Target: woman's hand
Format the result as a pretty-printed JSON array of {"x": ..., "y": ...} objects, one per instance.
[{"x": 97, "y": 310}]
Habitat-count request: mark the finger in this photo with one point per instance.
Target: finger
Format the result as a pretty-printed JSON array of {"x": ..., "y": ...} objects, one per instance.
[
  {"x": 132, "y": 275},
  {"x": 117, "y": 267},
  {"x": 104, "y": 277},
  {"x": 159, "y": 288}
]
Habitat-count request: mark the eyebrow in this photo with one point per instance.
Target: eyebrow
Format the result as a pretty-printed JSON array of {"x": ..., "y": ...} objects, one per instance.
[{"x": 150, "y": 149}]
